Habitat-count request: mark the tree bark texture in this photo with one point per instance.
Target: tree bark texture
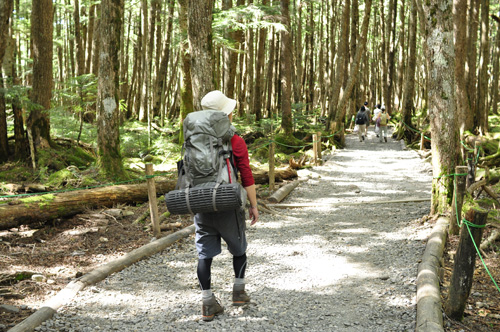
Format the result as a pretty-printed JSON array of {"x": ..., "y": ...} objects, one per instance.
[
  {"x": 5, "y": 16},
  {"x": 80, "y": 54},
  {"x": 286, "y": 69},
  {"x": 41, "y": 31},
  {"x": 339, "y": 71},
  {"x": 443, "y": 118},
  {"x": 460, "y": 29},
  {"x": 200, "y": 48},
  {"x": 482, "y": 109},
  {"x": 471, "y": 74},
  {"x": 409, "y": 81},
  {"x": 496, "y": 71},
  {"x": 108, "y": 135}
]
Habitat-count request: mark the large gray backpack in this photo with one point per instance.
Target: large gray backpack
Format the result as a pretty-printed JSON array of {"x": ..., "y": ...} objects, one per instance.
[{"x": 207, "y": 178}]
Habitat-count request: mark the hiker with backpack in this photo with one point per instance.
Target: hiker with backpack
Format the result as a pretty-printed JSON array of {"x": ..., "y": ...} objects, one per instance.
[
  {"x": 383, "y": 119},
  {"x": 212, "y": 126},
  {"x": 361, "y": 121}
]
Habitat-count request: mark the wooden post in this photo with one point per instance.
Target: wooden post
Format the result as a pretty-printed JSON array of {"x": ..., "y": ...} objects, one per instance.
[
  {"x": 458, "y": 200},
  {"x": 271, "y": 167},
  {"x": 153, "y": 205},
  {"x": 318, "y": 136},
  {"x": 315, "y": 149},
  {"x": 422, "y": 141},
  {"x": 465, "y": 259}
]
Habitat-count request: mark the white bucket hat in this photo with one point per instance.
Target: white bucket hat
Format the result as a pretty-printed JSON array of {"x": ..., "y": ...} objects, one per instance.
[{"x": 217, "y": 101}]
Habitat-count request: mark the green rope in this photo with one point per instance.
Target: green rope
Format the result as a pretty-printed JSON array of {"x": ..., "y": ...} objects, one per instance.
[
  {"x": 417, "y": 131},
  {"x": 470, "y": 224}
]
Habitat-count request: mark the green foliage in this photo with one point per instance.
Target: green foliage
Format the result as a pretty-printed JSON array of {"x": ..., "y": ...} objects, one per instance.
[
  {"x": 16, "y": 172},
  {"x": 242, "y": 18}
]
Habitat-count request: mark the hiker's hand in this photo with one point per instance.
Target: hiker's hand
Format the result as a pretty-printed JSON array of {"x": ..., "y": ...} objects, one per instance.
[{"x": 254, "y": 214}]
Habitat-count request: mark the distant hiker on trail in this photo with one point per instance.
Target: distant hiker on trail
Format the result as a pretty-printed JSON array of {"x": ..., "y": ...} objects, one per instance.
[
  {"x": 384, "y": 119},
  {"x": 361, "y": 121},
  {"x": 376, "y": 111},
  {"x": 367, "y": 111},
  {"x": 228, "y": 225}
]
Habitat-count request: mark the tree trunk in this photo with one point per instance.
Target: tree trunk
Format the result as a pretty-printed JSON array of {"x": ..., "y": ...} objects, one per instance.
[
  {"x": 259, "y": 91},
  {"x": 353, "y": 75},
  {"x": 286, "y": 69},
  {"x": 482, "y": 109},
  {"x": 299, "y": 68},
  {"x": 159, "y": 88},
  {"x": 409, "y": 82},
  {"x": 96, "y": 41},
  {"x": 145, "y": 61},
  {"x": 90, "y": 37},
  {"x": 460, "y": 28},
  {"x": 496, "y": 72},
  {"x": 187, "y": 103},
  {"x": 332, "y": 124},
  {"x": 471, "y": 75},
  {"x": 80, "y": 55},
  {"x": 393, "y": 10},
  {"x": 200, "y": 48},
  {"x": 5, "y": 16},
  {"x": 249, "y": 78},
  {"x": 38, "y": 122},
  {"x": 108, "y": 121},
  {"x": 443, "y": 117}
]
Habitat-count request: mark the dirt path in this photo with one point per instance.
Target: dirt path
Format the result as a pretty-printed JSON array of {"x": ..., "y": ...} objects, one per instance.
[{"x": 325, "y": 268}]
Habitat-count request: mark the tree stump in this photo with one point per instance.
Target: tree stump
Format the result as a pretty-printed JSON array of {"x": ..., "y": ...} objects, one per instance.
[{"x": 463, "y": 269}]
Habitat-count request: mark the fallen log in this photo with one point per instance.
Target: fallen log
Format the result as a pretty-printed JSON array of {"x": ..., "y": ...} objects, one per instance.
[
  {"x": 282, "y": 192},
  {"x": 495, "y": 234},
  {"x": 61, "y": 205},
  {"x": 279, "y": 176},
  {"x": 28, "y": 210}
]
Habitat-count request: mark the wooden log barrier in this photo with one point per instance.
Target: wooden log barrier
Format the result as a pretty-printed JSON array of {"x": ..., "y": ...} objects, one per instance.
[
  {"x": 282, "y": 192},
  {"x": 465, "y": 259},
  {"x": 429, "y": 315},
  {"x": 50, "y": 307}
]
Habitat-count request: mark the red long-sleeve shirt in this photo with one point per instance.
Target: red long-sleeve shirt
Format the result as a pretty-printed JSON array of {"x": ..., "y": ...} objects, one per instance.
[{"x": 241, "y": 160}]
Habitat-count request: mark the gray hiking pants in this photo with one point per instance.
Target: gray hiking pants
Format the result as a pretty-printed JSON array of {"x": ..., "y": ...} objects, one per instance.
[{"x": 211, "y": 227}]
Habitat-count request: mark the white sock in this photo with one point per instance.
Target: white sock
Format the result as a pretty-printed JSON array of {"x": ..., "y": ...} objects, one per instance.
[
  {"x": 206, "y": 294},
  {"x": 239, "y": 284}
]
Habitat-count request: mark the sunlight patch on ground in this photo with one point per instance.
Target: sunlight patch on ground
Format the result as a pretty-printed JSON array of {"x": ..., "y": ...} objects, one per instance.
[{"x": 355, "y": 231}]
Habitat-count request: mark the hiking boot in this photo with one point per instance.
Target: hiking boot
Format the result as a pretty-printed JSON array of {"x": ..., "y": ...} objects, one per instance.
[
  {"x": 211, "y": 308},
  {"x": 240, "y": 297},
  {"x": 385, "y": 139}
]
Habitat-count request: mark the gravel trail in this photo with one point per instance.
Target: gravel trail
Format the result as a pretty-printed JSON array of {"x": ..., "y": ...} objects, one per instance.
[{"x": 325, "y": 268}]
